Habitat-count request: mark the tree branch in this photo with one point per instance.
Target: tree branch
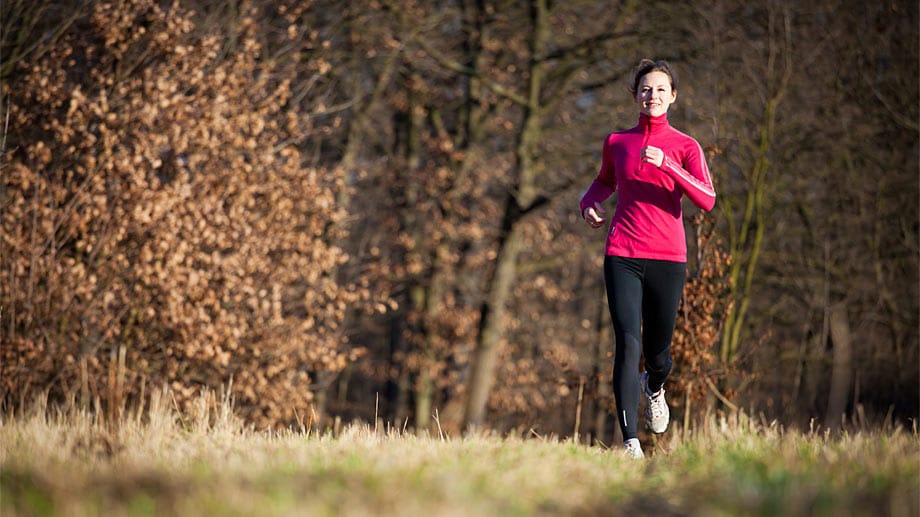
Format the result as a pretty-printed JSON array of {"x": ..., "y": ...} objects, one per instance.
[
  {"x": 587, "y": 46},
  {"x": 451, "y": 64}
]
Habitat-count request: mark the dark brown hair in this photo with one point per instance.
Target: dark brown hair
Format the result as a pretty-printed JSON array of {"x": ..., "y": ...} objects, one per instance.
[{"x": 647, "y": 66}]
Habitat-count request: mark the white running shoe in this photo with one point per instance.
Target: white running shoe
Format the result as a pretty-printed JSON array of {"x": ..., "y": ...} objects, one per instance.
[
  {"x": 633, "y": 450},
  {"x": 657, "y": 413}
]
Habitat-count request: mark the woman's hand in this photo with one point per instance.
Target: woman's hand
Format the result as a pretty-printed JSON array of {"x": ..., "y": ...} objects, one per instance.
[
  {"x": 593, "y": 215},
  {"x": 653, "y": 155}
]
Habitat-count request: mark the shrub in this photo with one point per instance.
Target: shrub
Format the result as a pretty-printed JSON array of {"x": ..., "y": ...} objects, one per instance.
[{"x": 160, "y": 223}]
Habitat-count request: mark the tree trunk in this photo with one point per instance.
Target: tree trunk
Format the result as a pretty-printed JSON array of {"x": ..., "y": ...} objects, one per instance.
[
  {"x": 842, "y": 371},
  {"x": 746, "y": 235},
  {"x": 424, "y": 392},
  {"x": 491, "y": 329},
  {"x": 603, "y": 370},
  {"x": 518, "y": 202},
  {"x": 401, "y": 385}
]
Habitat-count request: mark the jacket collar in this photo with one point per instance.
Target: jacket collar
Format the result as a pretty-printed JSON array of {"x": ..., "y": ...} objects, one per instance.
[{"x": 653, "y": 124}]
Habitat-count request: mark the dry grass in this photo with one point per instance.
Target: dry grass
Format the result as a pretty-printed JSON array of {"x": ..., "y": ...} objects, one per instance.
[{"x": 67, "y": 462}]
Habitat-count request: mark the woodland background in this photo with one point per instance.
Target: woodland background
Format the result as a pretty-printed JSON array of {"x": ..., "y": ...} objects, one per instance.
[{"x": 357, "y": 210}]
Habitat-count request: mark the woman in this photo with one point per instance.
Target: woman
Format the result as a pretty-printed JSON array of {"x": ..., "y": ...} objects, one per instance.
[{"x": 651, "y": 166}]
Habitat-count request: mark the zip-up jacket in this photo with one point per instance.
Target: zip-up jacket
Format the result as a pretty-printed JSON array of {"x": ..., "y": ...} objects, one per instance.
[{"x": 648, "y": 221}]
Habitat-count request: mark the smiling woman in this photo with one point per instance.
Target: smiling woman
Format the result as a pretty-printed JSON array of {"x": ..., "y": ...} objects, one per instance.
[
  {"x": 651, "y": 166},
  {"x": 654, "y": 92}
]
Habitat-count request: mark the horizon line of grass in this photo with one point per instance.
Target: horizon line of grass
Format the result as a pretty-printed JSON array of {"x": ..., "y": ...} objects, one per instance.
[{"x": 70, "y": 460}]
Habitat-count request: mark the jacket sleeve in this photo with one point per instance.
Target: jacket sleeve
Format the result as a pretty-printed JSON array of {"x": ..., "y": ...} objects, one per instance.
[
  {"x": 605, "y": 184},
  {"x": 693, "y": 177}
]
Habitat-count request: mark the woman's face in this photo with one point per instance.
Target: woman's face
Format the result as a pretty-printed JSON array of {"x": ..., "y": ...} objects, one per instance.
[{"x": 654, "y": 94}]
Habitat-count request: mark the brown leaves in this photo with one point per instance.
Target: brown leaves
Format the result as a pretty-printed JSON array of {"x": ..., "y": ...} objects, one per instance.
[
  {"x": 162, "y": 210},
  {"x": 701, "y": 316}
]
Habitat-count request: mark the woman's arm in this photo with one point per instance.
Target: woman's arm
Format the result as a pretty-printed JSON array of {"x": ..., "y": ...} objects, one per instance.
[
  {"x": 604, "y": 185},
  {"x": 695, "y": 180}
]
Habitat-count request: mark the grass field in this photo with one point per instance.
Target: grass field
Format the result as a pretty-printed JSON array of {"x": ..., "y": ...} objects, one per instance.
[{"x": 66, "y": 463}]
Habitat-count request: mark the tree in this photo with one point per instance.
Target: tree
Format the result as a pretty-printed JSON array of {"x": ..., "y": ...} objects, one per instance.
[{"x": 543, "y": 84}]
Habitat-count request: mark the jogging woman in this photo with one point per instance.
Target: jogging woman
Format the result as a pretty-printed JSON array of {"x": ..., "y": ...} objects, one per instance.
[{"x": 651, "y": 166}]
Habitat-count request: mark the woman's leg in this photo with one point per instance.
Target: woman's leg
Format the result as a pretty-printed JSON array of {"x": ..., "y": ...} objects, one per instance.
[
  {"x": 623, "y": 278},
  {"x": 663, "y": 287}
]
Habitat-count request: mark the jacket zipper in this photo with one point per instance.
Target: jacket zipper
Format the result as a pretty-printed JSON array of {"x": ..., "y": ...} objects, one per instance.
[{"x": 648, "y": 132}]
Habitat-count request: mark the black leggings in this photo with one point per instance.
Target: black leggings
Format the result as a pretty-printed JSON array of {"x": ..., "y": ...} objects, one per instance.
[{"x": 643, "y": 296}]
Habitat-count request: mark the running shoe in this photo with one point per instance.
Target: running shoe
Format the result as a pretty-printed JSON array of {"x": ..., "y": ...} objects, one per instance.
[
  {"x": 633, "y": 450},
  {"x": 657, "y": 413}
]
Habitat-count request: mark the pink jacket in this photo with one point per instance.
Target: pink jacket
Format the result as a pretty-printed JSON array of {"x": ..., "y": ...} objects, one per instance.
[{"x": 648, "y": 221}]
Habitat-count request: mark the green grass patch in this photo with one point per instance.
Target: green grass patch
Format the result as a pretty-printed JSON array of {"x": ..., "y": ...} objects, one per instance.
[{"x": 53, "y": 463}]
